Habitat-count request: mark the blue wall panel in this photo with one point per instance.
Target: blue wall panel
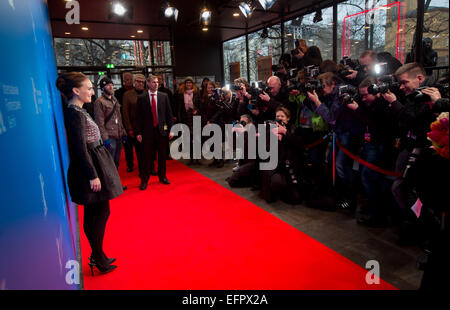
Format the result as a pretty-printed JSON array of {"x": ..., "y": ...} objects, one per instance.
[{"x": 37, "y": 220}]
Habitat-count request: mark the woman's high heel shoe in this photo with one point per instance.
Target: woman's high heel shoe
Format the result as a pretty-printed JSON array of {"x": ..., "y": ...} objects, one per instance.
[
  {"x": 100, "y": 267},
  {"x": 109, "y": 261}
]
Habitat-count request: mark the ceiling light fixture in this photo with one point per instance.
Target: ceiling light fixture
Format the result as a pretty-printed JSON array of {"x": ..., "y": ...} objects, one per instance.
[
  {"x": 140, "y": 31},
  {"x": 84, "y": 28},
  {"x": 318, "y": 17},
  {"x": 266, "y": 4},
  {"x": 205, "y": 16},
  {"x": 235, "y": 14},
  {"x": 247, "y": 8},
  {"x": 170, "y": 12},
  {"x": 119, "y": 9}
]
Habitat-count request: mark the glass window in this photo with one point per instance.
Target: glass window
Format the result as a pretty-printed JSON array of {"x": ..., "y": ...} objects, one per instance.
[
  {"x": 94, "y": 52},
  {"x": 234, "y": 59},
  {"x": 379, "y": 25},
  {"x": 264, "y": 50},
  {"x": 318, "y": 34},
  {"x": 161, "y": 53},
  {"x": 435, "y": 27}
]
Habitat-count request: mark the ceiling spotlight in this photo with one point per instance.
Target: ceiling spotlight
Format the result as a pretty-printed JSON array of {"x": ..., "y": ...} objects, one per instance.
[
  {"x": 67, "y": 33},
  {"x": 235, "y": 14},
  {"x": 140, "y": 31},
  {"x": 170, "y": 12},
  {"x": 84, "y": 28},
  {"x": 205, "y": 17},
  {"x": 318, "y": 17},
  {"x": 205, "y": 29},
  {"x": 119, "y": 9},
  {"x": 247, "y": 8},
  {"x": 266, "y": 4}
]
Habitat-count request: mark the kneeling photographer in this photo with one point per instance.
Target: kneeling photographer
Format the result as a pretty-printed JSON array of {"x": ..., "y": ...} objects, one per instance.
[
  {"x": 247, "y": 171},
  {"x": 284, "y": 182},
  {"x": 380, "y": 131},
  {"x": 335, "y": 109}
]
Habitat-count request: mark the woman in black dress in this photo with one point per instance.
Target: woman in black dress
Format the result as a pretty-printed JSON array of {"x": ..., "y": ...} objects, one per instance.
[{"x": 92, "y": 177}]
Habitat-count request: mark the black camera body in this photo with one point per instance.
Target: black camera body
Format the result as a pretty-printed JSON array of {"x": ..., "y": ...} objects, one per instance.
[
  {"x": 350, "y": 63},
  {"x": 255, "y": 91},
  {"x": 236, "y": 87},
  {"x": 312, "y": 71},
  {"x": 348, "y": 93},
  {"x": 386, "y": 83}
]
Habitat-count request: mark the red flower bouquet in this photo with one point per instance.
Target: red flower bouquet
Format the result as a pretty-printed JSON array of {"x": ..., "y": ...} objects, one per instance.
[{"x": 439, "y": 135}]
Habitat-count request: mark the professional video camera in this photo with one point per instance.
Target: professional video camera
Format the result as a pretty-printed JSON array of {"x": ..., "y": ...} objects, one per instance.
[
  {"x": 385, "y": 83},
  {"x": 348, "y": 93}
]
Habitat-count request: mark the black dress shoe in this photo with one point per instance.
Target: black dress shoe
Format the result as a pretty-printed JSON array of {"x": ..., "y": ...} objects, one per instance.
[
  {"x": 143, "y": 186},
  {"x": 164, "y": 181},
  {"x": 124, "y": 187},
  {"x": 129, "y": 169}
]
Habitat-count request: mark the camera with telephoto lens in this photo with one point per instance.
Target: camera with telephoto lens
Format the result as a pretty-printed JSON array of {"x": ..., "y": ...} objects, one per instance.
[
  {"x": 385, "y": 83},
  {"x": 348, "y": 93}
]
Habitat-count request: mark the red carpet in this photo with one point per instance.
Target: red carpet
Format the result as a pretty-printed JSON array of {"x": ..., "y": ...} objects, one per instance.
[{"x": 197, "y": 235}]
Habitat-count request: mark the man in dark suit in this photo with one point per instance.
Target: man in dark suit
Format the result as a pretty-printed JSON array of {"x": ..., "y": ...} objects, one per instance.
[{"x": 153, "y": 122}]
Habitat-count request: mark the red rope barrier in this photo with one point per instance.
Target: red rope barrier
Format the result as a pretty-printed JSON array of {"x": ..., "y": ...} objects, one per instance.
[
  {"x": 367, "y": 164},
  {"x": 316, "y": 142}
]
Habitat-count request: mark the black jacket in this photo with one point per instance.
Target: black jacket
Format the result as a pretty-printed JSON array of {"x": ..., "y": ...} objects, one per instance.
[
  {"x": 414, "y": 119},
  {"x": 144, "y": 116},
  {"x": 378, "y": 122}
]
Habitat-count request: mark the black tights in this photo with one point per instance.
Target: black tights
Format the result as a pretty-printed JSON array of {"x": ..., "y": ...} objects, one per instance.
[{"x": 95, "y": 218}]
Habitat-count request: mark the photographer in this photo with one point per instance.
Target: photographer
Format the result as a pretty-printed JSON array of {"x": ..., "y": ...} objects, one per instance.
[
  {"x": 414, "y": 115},
  {"x": 243, "y": 97},
  {"x": 348, "y": 129},
  {"x": 222, "y": 106},
  {"x": 284, "y": 181},
  {"x": 298, "y": 53},
  {"x": 359, "y": 71},
  {"x": 247, "y": 172},
  {"x": 380, "y": 130},
  {"x": 276, "y": 97}
]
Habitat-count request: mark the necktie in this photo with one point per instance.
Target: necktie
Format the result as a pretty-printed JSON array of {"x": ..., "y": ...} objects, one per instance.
[{"x": 155, "y": 115}]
